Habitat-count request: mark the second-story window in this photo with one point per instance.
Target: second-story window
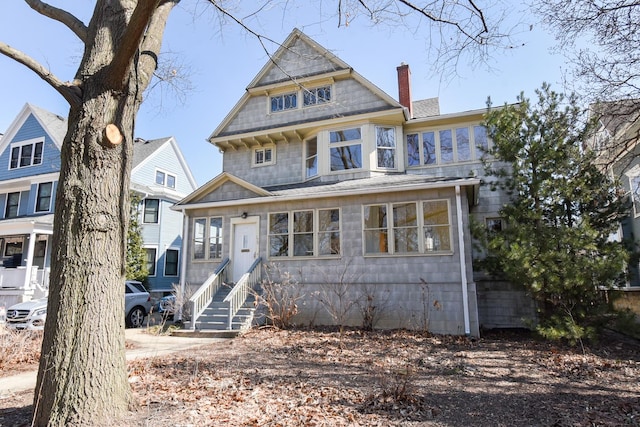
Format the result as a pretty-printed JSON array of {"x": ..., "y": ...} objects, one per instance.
[
  {"x": 151, "y": 211},
  {"x": 311, "y": 158},
  {"x": 286, "y": 101},
  {"x": 345, "y": 149},
  {"x": 43, "y": 201},
  {"x": 445, "y": 146},
  {"x": 165, "y": 179},
  {"x": 26, "y": 154},
  {"x": 13, "y": 201},
  {"x": 386, "y": 147}
]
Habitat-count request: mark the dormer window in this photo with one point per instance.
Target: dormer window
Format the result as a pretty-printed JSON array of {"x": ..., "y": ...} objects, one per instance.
[
  {"x": 165, "y": 179},
  {"x": 25, "y": 154},
  {"x": 318, "y": 95},
  {"x": 264, "y": 156},
  {"x": 286, "y": 101}
]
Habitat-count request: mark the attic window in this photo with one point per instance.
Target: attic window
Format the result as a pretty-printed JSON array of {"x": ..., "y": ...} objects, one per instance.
[
  {"x": 316, "y": 96},
  {"x": 165, "y": 179},
  {"x": 264, "y": 156},
  {"x": 25, "y": 154},
  {"x": 286, "y": 101}
]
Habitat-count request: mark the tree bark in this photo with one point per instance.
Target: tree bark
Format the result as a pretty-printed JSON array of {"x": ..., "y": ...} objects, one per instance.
[{"x": 82, "y": 378}]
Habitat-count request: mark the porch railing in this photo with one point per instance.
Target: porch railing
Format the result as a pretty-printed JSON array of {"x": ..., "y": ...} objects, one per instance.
[
  {"x": 238, "y": 295},
  {"x": 201, "y": 299}
]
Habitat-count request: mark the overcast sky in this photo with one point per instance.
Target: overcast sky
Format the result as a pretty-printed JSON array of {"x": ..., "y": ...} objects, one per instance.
[{"x": 223, "y": 61}]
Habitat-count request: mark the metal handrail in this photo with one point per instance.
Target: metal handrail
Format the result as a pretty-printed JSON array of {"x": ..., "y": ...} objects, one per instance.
[
  {"x": 239, "y": 293},
  {"x": 201, "y": 299}
]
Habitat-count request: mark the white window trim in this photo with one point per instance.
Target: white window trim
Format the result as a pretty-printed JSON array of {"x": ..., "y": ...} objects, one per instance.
[
  {"x": 420, "y": 226},
  {"x": 361, "y": 142},
  {"x": 316, "y": 231},
  {"x": 634, "y": 173},
  {"x": 254, "y": 151},
  {"x": 305, "y": 158},
  {"x": 283, "y": 94},
  {"x": 164, "y": 271},
  {"x": 6, "y": 203},
  {"x": 144, "y": 204},
  {"x": 35, "y": 208},
  {"x": 315, "y": 88},
  {"x": 206, "y": 238},
  {"x": 166, "y": 175},
  {"x": 20, "y": 144},
  {"x": 155, "y": 261},
  {"x": 475, "y": 156},
  {"x": 394, "y": 148}
]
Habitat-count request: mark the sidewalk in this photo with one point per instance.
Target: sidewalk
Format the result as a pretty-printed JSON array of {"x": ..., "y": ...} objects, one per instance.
[{"x": 145, "y": 345}]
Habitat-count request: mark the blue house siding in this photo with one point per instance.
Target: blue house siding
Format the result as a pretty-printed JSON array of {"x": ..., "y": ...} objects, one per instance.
[
  {"x": 165, "y": 160},
  {"x": 33, "y": 195},
  {"x": 50, "y": 153}
]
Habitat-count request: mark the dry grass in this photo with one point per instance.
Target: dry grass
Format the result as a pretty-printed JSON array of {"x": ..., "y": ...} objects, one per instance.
[{"x": 19, "y": 350}]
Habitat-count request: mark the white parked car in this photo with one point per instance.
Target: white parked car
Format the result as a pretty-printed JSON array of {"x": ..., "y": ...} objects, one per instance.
[{"x": 32, "y": 314}]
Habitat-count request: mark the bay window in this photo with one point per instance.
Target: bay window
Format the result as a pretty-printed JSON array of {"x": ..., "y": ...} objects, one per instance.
[
  {"x": 345, "y": 149},
  {"x": 386, "y": 147}
]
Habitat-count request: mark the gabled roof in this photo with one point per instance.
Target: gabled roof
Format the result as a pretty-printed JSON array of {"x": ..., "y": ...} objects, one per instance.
[
  {"x": 144, "y": 150},
  {"x": 277, "y": 72},
  {"x": 216, "y": 183},
  {"x": 54, "y": 125}
]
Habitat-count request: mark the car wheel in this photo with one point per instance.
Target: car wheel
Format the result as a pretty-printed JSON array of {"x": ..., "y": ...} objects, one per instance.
[{"x": 135, "y": 318}]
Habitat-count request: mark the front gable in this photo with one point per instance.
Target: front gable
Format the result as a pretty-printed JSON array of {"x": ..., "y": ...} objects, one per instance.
[
  {"x": 34, "y": 138},
  {"x": 224, "y": 187},
  {"x": 303, "y": 85}
]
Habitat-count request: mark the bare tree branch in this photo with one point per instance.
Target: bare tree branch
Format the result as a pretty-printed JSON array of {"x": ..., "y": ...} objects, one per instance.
[
  {"x": 66, "y": 18},
  {"x": 70, "y": 91},
  {"x": 130, "y": 40}
]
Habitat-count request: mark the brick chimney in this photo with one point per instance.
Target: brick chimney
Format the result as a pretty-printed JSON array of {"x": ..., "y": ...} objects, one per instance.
[{"x": 404, "y": 87}]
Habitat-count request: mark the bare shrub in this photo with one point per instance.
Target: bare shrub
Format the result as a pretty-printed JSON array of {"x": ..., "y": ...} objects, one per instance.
[
  {"x": 19, "y": 348},
  {"x": 396, "y": 384},
  {"x": 427, "y": 306},
  {"x": 372, "y": 305},
  {"x": 279, "y": 295}
]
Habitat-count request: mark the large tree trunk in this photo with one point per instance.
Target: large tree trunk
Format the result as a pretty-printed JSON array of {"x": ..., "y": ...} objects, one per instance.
[
  {"x": 82, "y": 378},
  {"x": 84, "y": 332}
]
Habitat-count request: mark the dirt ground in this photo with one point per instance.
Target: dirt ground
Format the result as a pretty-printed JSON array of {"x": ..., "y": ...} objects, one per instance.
[{"x": 384, "y": 378}]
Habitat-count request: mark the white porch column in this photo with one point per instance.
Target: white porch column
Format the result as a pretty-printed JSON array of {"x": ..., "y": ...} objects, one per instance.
[
  {"x": 30, "y": 251},
  {"x": 463, "y": 263},
  {"x": 183, "y": 259}
]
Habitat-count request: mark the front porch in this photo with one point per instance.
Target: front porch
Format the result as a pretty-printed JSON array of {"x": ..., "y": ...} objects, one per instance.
[{"x": 25, "y": 259}]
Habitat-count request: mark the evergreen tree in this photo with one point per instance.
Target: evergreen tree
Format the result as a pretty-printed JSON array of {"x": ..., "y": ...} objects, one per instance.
[
  {"x": 136, "y": 267},
  {"x": 562, "y": 212}
]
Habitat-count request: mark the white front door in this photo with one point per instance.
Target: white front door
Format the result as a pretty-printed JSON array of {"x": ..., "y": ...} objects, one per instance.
[{"x": 245, "y": 248}]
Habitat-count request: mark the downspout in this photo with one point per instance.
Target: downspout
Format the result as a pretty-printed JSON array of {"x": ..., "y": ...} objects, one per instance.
[
  {"x": 463, "y": 263},
  {"x": 183, "y": 258}
]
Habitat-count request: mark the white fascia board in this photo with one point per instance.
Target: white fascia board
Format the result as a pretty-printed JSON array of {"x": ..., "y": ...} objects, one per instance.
[{"x": 464, "y": 182}]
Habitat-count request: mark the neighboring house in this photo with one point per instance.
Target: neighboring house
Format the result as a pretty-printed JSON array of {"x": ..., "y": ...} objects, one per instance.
[
  {"x": 617, "y": 143},
  {"x": 29, "y": 170},
  {"x": 330, "y": 179},
  {"x": 161, "y": 177}
]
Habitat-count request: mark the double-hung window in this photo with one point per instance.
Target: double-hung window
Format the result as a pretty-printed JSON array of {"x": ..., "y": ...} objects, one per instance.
[
  {"x": 386, "y": 147},
  {"x": 207, "y": 238},
  {"x": 43, "y": 199},
  {"x": 26, "y": 154},
  {"x": 345, "y": 149},
  {"x": 311, "y": 158},
  {"x": 171, "y": 258},
  {"x": 151, "y": 211},
  {"x": 151, "y": 260},
  {"x": 13, "y": 202},
  {"x": 406, "y": 228},
  {"x": 305, "y": 233}
]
